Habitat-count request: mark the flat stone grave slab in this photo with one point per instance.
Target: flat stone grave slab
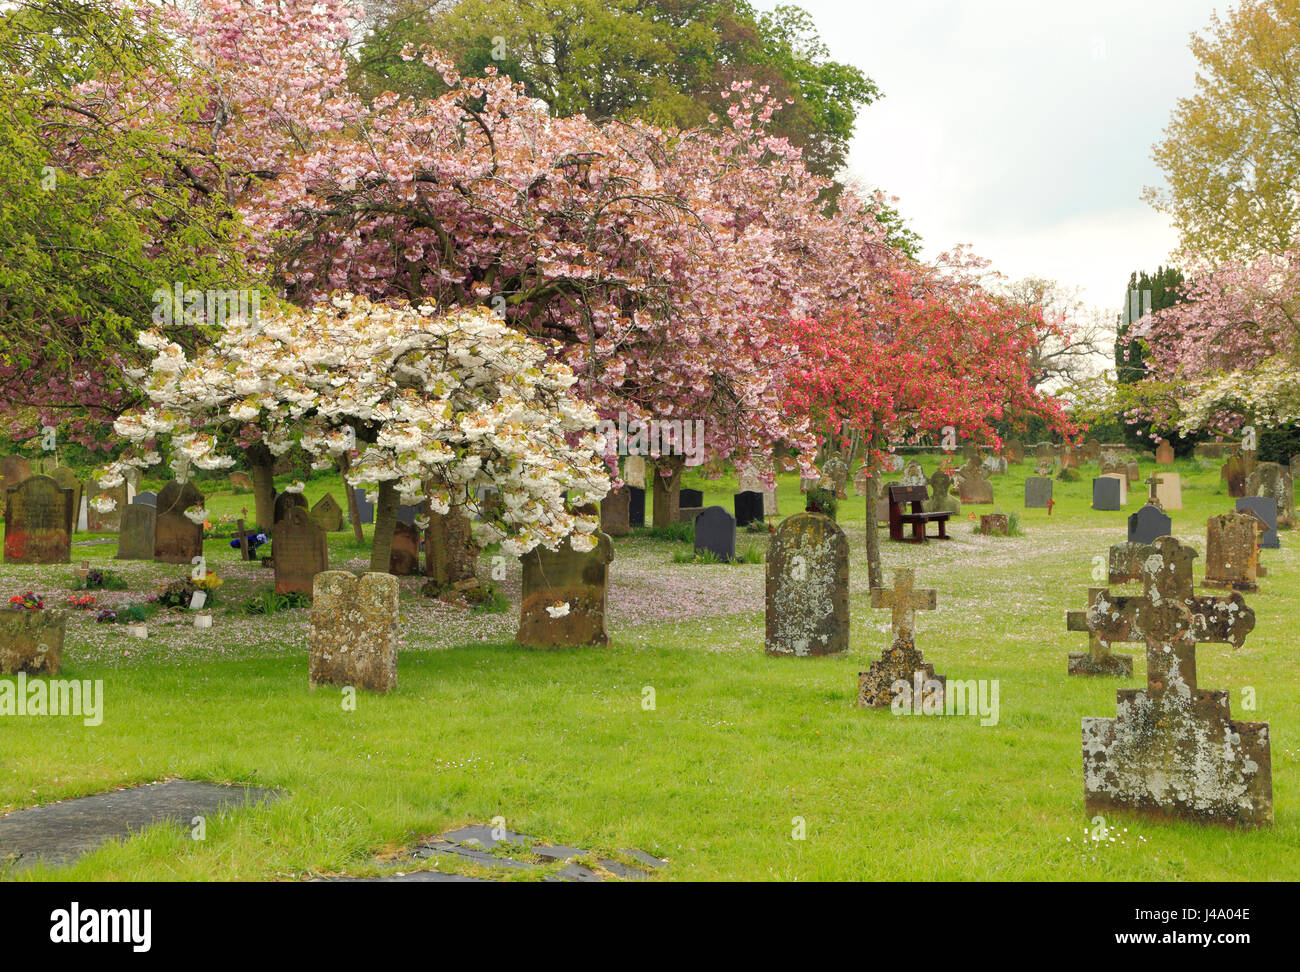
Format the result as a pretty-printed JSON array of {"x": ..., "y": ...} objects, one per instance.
[{"x": 58, "y": 832}]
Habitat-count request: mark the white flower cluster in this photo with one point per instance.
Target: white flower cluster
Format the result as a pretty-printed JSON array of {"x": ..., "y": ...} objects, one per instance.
[
  {"x": 1268, "y": 393},
  {"x": 436, "y": 404}
]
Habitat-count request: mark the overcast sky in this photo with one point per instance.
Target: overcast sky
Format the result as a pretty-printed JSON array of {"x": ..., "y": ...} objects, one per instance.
[{"x": 1022, "y": 127}]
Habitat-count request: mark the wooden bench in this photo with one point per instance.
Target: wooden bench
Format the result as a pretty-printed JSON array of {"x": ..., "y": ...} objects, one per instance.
[{"x": 916, "y": 495}]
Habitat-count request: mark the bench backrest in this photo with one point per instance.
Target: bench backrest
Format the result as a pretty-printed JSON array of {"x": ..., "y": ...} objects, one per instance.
[{"x": 908, "y": 494}]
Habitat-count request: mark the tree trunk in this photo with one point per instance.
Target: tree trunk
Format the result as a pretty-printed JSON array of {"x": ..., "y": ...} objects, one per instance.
[
  {"x": 261, "y": 465},
  {"x": 354, "y": 514},
  {"x": 450, "y": 553},
  {"x": 381, "y": 546},
  {"x": 874, "y": 572},
  {"x": 667, "y": 491}
]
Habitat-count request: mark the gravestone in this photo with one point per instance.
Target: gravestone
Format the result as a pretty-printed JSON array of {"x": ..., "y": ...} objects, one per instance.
[
  {"x": 38, "y": 517},
  {"x": 1232, "y": 551},
  {"x": 1216, "y": 450},
  {"x": 1098, "y": 659},
  {"x": 995, "y": 524},
  {"x": 770, "y": 506},
  {"x": 1014, "y": 450},
  {"x": 941, "y": 499},
  {"x": 1233, "y": 474},
  {"x": 147, "y": 498},
  {"x": 83, "y": 515},
  {"x": 327, "y": 514},
  {"x": 882, "y": 502},
  {"x": 1069, "y": 457},
  {"x": 635, "y": 506},
  {"x": 408, "y": 513},
  {"x": 973, "y": 485},
  {"x": 1133, "y": 471},
  {"x": 1173, "y": 749},
  {"x": 1107, "y": 493},
  {"x": 1090, "y": 450},
  {"x": 995, "y": 466},
  {"x": 860, "y": 480},
  {"x": 1169, "y": 491},
  {"x": 1038, "y": 492},
  {"x": 108, "y": 521},
  {"x": 31, "y": 641},
  {"x": 913, "y": 474},
  {"x": 177, "y": 539},
  {"x": 404, "y": 559},
  {"x": 135, "y": 536},
  {"x": 749, "y": 479},
  {"x": 1273, "y": 480},
  {"x": 693, "y": 498},
  {"x": 715, "y": 531},
  {"x": 299, "y": 552},
  {"x": 286, "y": 501},
  {"x": 1164, "y": 453},
  {"x": 835, "y": 475},
  {"x": 67, "y": 479},
  {"x": 901, "y": 660},
  {"x": 1125, "y": 562},
  {"x": 807, "y": 587},
  {"x": 687, "y": 514},
  {"x": 1147, "y": 524},
  {"x": 1113, "y": 462},
  {"x": 1263, "y": 508},
  {"x": 240, "y": 480},
  {"x": 365, "y": 509},
  {"x": 564, "y": 595},
  {"x": 353, "y": 637},
  {"x": 13, "y": 470},
  {"x": 749, "y": 508},
  {"x": 634, "y": 472},
  {"x": 615, "y": 510}
]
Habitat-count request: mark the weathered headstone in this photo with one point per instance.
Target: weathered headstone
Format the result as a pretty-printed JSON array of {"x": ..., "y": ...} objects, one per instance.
[
  {"x": 1113, "y": 462},
  {"x": 564, "y": 594},
  {"x": 634, "y": 472},
  {"x": 901, "y": 661},
  {"x": 353, "y": 638},
  {"x": 749, "y": 479},
  {"x": 1038, "y": 492},
  {"x": 860, "y": 480},
  {"x": 1233, "y": 474},
  {"x": 1164, "y": 453},
  {"x": 1147, "y": 524},
  {"x": 749, "y": 508},
  {"x": 913, "y": 474},
  {"x": 1125, "y": 562},
  {"x": 807, "y": 587},
  {"x": 995, "y": 466},
  {"x": 973, "y": 485},
  {"x": 404, "y": 557},
  {"x": 38, "y": 518},
  {"x": 1173, "y": 749},
  {"x": 286, "y": 501},
  {"x": 1169, "y": 491},
  {"x": 1133, "y": 471},
  {"x": 614, "y": 512},
  {"x": 327, "y": 514},
  {"x": 1263, "y": 508},
  {"x": 1274, "y": 480},
  {"x": 715, "y": 531},
  {"x": 1232, "y": 551},
  {"x": 365, "y": 509},
  {"x": 67, "y": 479},
  {"x": 1107, "y": 493},
  {"x": 941, "y": 499},
  {"x": 177, "y": 538},
  {"x": 13, "y": 470},
  {"x": 135, "y": 536},
  {"x": 105, "y": 521},
  {"x": 835, "y": 475},
  {"x": 1215, "y": 450},
  {"x": 240, "y": 480},
  {"x": 31, "y": 641},
  {"x": 882, "y": 502},
  {"x": 1014, "y": 450},
  {"x": 299, "y": 552}
]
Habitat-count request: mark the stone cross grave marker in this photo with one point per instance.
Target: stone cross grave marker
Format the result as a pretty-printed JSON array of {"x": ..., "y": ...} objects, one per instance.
[
  {"x": 973, "y": 484},
  {"x": 177, "y": 539},
  {"x": 901, "y": 660},
  {"x": 299, "y": 552},
  {"x": 38, "y": 518},
  {"x": 353, "y": 637},
  {"x": 807, "y": 587},
  {"x": 715, "y": 531},
  {"x": 1173, "y": 749},
  {"x": 564, "y": 595},
  {"x": 1153, "y": 491}
]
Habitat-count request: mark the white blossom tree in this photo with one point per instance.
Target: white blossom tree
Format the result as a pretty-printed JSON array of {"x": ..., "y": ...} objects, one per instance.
[{"x": 436, "y": 404}]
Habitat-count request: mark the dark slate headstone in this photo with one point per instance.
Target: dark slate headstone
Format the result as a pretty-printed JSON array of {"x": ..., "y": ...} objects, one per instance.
[
  {"x": 38, "y": 518},
  {"x": 298, "y": 551},
  {"x": 406, "y": 513},
  {"x": 1147, "y": 524},
  {"x": 715, "y": 531},
  {"x": 1105, "y": 493},
  {"x": 147, "y": 498},
  {"x": 749, "y": 508},
  {"x": 636, "y": 507},
  {"x": 136, "y": 534},
  {"x": 691, "y": 498},
  {"x": 286, "y": 501},
  {"x": 365, "y": 509},
  {"x": 177, "y": 539},
  {"x": 1263, "y": 508},
  {"x": 1038, "y": 492}
]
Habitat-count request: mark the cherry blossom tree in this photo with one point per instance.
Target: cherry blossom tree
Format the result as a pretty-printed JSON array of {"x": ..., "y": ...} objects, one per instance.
[{"x": 438, "y": 405}]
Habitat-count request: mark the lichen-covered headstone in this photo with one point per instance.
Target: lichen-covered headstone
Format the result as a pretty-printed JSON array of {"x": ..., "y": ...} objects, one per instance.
[
  {"x": 901, "y": 660},
  {"x": 807, "y": 587},
  {"x": 31, "y": 641},
  {"x": 835, "y": 476},
  {"x": 973, "y": 484},
  {"x": 38, "y": 518},
  {"x": 564, "y": 595},
  {"x": 1233, "y": 474},
  {"x": 299, "y": 552},
  {"x": 1173, "y": 749},
  {"x": 913, "y": 474},
  {"x": 328, "y": 514},
  {"x": 941, "y": 499},
  {"x": 1232, "y": 551},
  {"x": 353, "y": 639},
  {"x": 995, "y": 524},
  {"x": 286, "y": 501},
  {"x": 177, "y": 538},
  {"x": 68, "y": 479},
  {"x": 1273, "y": 480},
  {"x": 135, "y": 535}
]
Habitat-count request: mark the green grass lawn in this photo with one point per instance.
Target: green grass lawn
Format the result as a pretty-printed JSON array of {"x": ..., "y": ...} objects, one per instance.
[{"x": 714, "y": 777}]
